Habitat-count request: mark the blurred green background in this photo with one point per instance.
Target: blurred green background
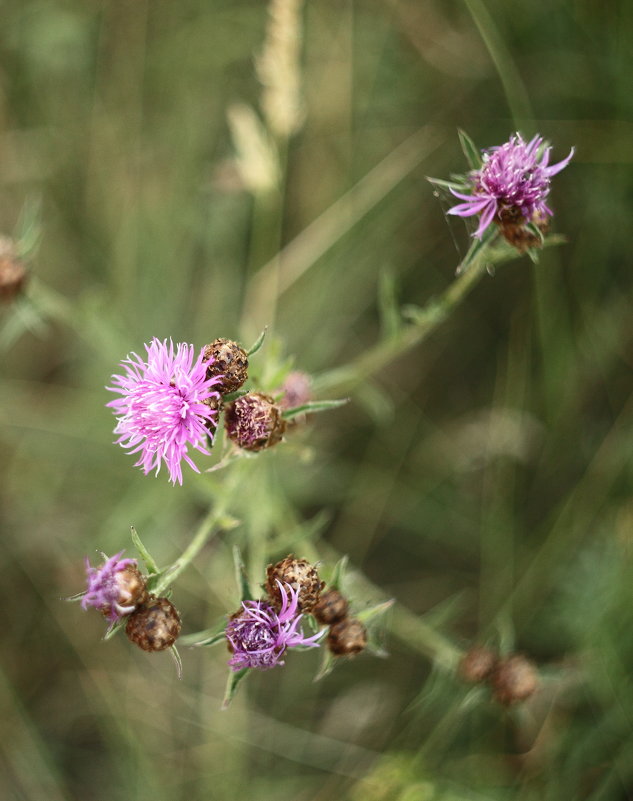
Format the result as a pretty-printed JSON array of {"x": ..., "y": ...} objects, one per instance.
[{"x": 484, "y": 479}]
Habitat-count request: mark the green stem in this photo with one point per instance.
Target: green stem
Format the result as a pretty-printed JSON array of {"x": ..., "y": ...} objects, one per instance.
[{"x": 346, "y": 379}]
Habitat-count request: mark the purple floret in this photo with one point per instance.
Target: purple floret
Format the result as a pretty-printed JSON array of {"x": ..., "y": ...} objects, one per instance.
[
  {"x": 161, "y": 411},
  {"x": 105, "y": 591},
  {"x": 515, "y": 179},
  {"x": 258, "y": 636}
]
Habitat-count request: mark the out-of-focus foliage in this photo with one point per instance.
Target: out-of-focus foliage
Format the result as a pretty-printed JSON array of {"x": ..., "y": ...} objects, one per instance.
[{"x": 483, "y": 479}]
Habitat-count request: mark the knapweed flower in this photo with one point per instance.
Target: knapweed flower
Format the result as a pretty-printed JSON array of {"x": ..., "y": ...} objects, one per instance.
[
  {"x": 258, "y": 636},
  {"x": 164, "y": 408},
  {"x": 115, "y": 588},
  {"x": 512, "y": 184},
  {"x": 254, "y": 422}
]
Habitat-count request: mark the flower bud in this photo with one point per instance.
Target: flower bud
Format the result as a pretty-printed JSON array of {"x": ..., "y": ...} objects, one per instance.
[
  {"x": 254, "y": 422},
  {"x": 514, "y": 680},
  {"x": 115, "y": 588},
  {"x": 477, "y": 664},
  {"x": 229, "y": 362},
  {"x": 347, "y": 637},
  {"x": 154, "y": 626},
  {"x": 514, "y": 230},
  {"x": 296, "y": 389},
  {"x": 331, "y": 607},
  {"x": 13, "y": 273},
  {"x": 300, "y": 575}
]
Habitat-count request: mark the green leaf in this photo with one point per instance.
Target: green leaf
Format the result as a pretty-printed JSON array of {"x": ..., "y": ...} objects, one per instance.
[
  {"x": 375, "y": 611},
  {"x": 477, "y": 249},
  {"x": 77, "y": 597},
  {"x": 231, "y": 396},
  {"x": 240, "y": 576},
  {"x": 328, "y": 661},
  {"x": 233, "y": 681},
  {"x": 150, "y": 564},
  {"x": 115, "y": 629},
  {"x": 28, "y": 231},
  {"x": 338, "y": 573},
  {"x": 206, "y": 638},
  {"x": 390, "y": 320},
  {"x": 177, "y": 660},
  {"x": 458, "y": 186},
  {"x": 470, "y": 150},
  {"x": 258, "y": 343},
  {"x": 312, "y": 407}
]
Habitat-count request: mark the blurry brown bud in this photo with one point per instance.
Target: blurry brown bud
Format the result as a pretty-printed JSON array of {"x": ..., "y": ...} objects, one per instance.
[
  {"x": 331, "y": 608},
  {"x": 301, "y": 576},
  {"x": 132, "y": 591},
  {"x": 477, "y": 664},
  {"x": 514, "y": 229},
  {"x": 254, "y": 422},
  {"x": 513, "y": 680},
  {"x": 13, "y": 273},
  {"x": 297, "y": 390},
  {"x": 230, "y": 362},
  {"x": 154, "y": 626},
  {"x": 347, "y": 637}
]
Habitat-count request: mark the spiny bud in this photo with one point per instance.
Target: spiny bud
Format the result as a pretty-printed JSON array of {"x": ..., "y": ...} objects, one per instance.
[
  {"x": 301, "y": 576},
  {"x": 331, "y": 607},
  {"x": 514, "y": 680},
  {"x": 154, "y": 626},
  {"x": 254, "y": 422},
  {"x": 347, "y": 637},
  {"x": 13, "y": 273},
  {"x": 477, "y": 664},
  {"x": 229, "y": 362}
]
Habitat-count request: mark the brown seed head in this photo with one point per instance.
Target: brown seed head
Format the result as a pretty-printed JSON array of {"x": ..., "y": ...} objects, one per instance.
[
  {"x": 477, "y": 664},
  {"x": 13, "y": 273},
  {"x": 347, "y": 637},
  {"x": 154, "y": 626},
  {"x": 230, "y": 361},
  {"x": 331, "y": 608},
  {"x": 254, "y": 422},
  {"x": 301, "y": 575},
  {"x": 513, "y": 680}
]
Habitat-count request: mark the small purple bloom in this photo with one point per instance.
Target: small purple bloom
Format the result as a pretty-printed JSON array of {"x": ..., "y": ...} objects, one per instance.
[
  {"x": 107, "y": 587},
  {"x": 162, "y": 410},
  {"x": 258, "y": 635},
  {"x": 514, "y": 178}
]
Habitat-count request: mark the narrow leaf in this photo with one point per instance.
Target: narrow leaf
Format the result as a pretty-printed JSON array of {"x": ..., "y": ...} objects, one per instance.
[
  {"x": 177, "y": 660},
  {"x": 115, "y": 629},
  {"x": 390, "y": 320},
  {"x": 312, "y": 407},
  {"x": 328, "y": 661},
  {"x": 476, "y": 249},
  {"x": 240, "y": 575},
  {"x": 231, "y": 396},
  {"x": 258, "y": 343},
  {"x": 28, "y": 231},
  {"x": 338, "y": 573},
  {"x": 458, "y": 186},
  {"x": 150, "y": 564},
  {"x": 233, "y": 681},
  {"x": 77, "y": 597},
  {"x": 375, "y": 611},
  {"x": 207, "y": 637},
  {"x": 470, "y": 150}
]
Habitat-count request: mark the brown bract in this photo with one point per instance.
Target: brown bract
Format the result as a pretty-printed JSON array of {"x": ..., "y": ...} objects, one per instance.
[
  {"x": 477, "y": 664},
  {"x": 254, "y": 422},
  {"x": 13, "y": 274},
  {"x": 347, "y": 637},
  {"x": 514, "y": 680},
  {"x": 331, "y": 607},
  {"x": 230, "y": 361},
  {"x": 154, "y": 626},
  {"x": 301, "y": 576}
]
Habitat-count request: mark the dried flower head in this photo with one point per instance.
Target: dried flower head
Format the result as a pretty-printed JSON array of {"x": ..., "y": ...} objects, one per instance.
[
  {"x": 229, "y": 362},
  {"x": 154, "y": 626},
  {"x": 477, "y": 664},
  {"x": 254, "y": 422},
  {"x": 298, "y": 574},
  {"x": 162, "y": 409},
  {"x": 331, "y": 607},
  {"x": 258, "y": 635},
  {"x": 347, "y": 637},
  {"x": 513, "y": 182},
  {"x": 514, "y": 679},
  {"x": 115, "y": 588},
  {"x": 13, "y": 274}
]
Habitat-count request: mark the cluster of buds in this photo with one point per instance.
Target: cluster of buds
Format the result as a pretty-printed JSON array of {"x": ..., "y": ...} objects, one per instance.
[
  {"x": 347, "y": 635},
  {"x": 119, "y": 591},
  {"x": 512, "y": 679}
]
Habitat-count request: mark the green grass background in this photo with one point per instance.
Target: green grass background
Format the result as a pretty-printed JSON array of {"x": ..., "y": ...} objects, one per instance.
[{"x": 483, "y": 479}]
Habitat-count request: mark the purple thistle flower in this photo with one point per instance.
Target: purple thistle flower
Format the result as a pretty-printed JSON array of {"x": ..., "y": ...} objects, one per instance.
[
  {"x": 162, "y": 409},
  {"x": 513, "y": 179},
  {"x": 109, "y": 587},
  {"x": 258, "y": 635}
]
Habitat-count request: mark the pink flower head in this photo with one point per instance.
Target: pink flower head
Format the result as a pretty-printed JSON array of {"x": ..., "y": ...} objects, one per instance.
[
  {"x": 258, "y": 635},
  {"x": 162, "y": 409},
  {"x": 107, "y": 587},
  {"x": 514, "y": 178}
]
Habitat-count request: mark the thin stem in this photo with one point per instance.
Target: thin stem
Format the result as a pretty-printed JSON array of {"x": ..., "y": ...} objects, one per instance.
[{"x": 347, "y": 378}]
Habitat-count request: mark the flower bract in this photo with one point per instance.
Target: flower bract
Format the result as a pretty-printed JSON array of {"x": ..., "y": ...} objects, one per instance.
[
  {"x": 513, "y": 182},
  {"x": 258, "y": 636},
  {"x": 162, "y": 409}
]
